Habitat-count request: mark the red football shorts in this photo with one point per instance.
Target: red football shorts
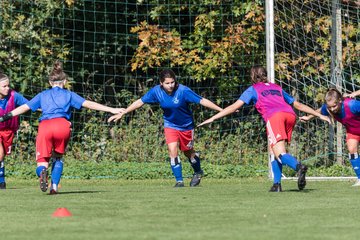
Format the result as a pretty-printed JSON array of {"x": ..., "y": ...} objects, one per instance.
[
  {"x": 6, "y": 139},
  {"x": 185, "y": 138},
  {"x": 352, "y": 136},
  {"x": 279, "y": 127},
  {"x": 53, "y": 135}
]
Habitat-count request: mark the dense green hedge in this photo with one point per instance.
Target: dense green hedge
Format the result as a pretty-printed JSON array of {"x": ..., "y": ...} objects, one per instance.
[
  {"x": 211, "y": 47},
  {"x": 232, "y": 146}
]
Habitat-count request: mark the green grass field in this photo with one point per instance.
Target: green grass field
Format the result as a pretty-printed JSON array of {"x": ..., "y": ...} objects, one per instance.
[{"x": 153, "y": 209}]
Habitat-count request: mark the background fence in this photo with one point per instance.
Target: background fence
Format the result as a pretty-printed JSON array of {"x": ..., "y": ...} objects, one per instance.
[{"x": 113, "y": 51}]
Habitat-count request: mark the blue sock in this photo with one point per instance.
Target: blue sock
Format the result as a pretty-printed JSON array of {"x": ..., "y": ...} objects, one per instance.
[
  {"x": 195, "y": 164},
  {"x": 39, "y": 169},
  {"x": 277, "y": 170},
  {"x": 2, "y": 172},
  {"x": 176, "y": 168},
  {"x": 56, "y": 172},
  {"x": 289, "y": 160},
  {"x": 356, "y": 166}
]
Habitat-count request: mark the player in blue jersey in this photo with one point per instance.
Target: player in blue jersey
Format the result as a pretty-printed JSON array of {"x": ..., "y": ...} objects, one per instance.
[
  {"x": 346, "y": 111},
  {"x": 9, "y": 100},
  {"x": 174, "y": 99},
  {"x": 54, "y": 128}
]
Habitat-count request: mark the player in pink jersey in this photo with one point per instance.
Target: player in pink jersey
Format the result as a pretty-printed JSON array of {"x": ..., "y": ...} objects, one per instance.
[
  {"x": 9, "y": 100},
  {"x": 274, "y": 105},
  {"x": 346, "y": 111}
]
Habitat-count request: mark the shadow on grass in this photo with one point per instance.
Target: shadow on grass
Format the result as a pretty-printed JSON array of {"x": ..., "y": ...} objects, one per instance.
[
  {"x": 12, "y": 188},
  {"x": 76, "y": 192},
  {"x": 297, "y": 190}
]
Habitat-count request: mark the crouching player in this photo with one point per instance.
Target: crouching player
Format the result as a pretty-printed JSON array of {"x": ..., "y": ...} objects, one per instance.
[
  {"x": 9, "y": 100},
  {"x": 346, "y": 111},
  {"x": 54, "y": 128}
]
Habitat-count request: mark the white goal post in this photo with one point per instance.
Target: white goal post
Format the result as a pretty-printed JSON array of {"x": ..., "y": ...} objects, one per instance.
[{"x": 310, "y": 46}]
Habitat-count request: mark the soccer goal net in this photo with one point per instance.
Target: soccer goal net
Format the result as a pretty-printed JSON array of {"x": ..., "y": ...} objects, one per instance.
[
  {"x": 114, "y": 50},
  {"x": 317, "y": 47}
]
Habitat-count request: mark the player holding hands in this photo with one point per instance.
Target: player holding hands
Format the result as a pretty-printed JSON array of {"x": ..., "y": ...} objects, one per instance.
[
  {"x": 275, "y": 106},
  {"x": 174, "y": 99},
  {"x": 346, "y": 111},
  {"x": 54, "y": 129},
  {"x": 9, "y": 100}
]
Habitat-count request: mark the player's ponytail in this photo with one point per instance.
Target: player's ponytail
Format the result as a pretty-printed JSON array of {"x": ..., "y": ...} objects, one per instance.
[{"x": 57, "y": 73}]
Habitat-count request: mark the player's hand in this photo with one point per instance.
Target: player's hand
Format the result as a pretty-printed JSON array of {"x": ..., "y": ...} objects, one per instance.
[
  {"x": 210, "y": 120},
  {"x": 117, "y": 110},
  {"x": 305, "y": 118},
  {"x": 326, "y": 118},
  {"x": 115, "y": 117},
  {"x": 6, "y": 117},
  {"x": 349, "y": 95}
]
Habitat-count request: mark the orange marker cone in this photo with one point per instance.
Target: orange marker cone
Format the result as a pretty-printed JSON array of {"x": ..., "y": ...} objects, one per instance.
[{"x": 62, "y": 212}]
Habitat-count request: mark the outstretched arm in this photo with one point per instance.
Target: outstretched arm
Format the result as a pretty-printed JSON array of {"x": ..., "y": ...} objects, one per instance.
[
  {"x": 97, "y": 106},
  {"x": 135, "y": 105},
  {"x": 209, "y": 104},
  {"x": 309, "y": 117},
  {"x": 353, "y": 94},
  {"x": 17, "y": 111},
  {"x": 302, "y": 107},
  {"x": 228, "y": 110}
]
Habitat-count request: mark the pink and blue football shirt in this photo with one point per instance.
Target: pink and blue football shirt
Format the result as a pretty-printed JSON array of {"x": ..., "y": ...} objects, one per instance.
[
  {"x": 349, "y": 115},
  {"x": 9, "y": 103},
  {"x": 269, "y": 98}
]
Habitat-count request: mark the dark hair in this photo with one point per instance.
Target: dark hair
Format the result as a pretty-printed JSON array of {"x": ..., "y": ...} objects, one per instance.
[
  {"x": 57, "y": 73},
  {"x": 333, "y": 93},
  {"x": 258, "y": 74},
  {"x": 167, "y": 73},
  {"x": 3, "y": 77}
]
